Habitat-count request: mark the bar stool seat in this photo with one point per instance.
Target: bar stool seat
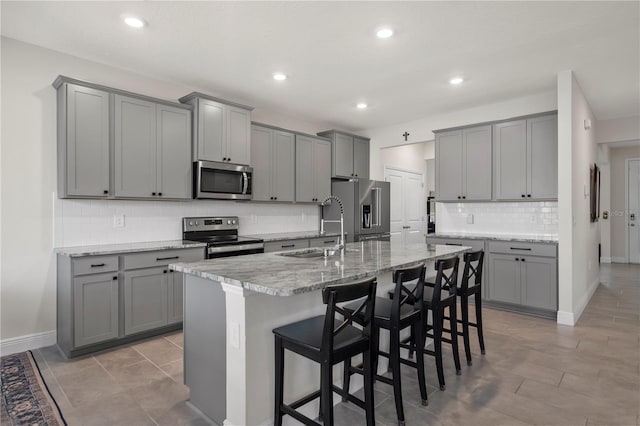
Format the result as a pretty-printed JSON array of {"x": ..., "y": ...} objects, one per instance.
[{"x": 382, "y": 314}]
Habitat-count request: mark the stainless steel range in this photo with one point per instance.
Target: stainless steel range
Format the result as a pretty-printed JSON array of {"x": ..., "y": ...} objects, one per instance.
[{"x": 221, "y": 236}]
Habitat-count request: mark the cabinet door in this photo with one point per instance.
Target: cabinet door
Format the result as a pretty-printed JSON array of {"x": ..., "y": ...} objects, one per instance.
[
  {"x": 342, "y": 155},
  {"x": 174, "y": 152},
  {"x": 175, "y": 303},
  {"x": 542, "y": 157},
  {"x": 135, "y": 147},
  {"x": 539, "y": 282},
  {"x": 361, "y": 157},
  {"x": 322, "y": 169},
  {"x": 305, "y": 188},
  {"x": 95, "y": 308},
  {"x": 238, "y": 135},
  {"x": 145, "y": 299},
  {"x": 504, "y": 284},
  {"x": 449, "y": 166},
  {"x": 283, "y": 171},
  {"x": 510, "y": 160},
  {"x": 476, "y": 168},
  {"x": 212, "y": 136},
  {"x": 261, "y": 141},
  {"x": 86, "y": 142}
]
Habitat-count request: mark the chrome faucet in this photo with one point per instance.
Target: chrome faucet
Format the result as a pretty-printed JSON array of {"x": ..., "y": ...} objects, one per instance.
[{"x": 327, "y": 202}]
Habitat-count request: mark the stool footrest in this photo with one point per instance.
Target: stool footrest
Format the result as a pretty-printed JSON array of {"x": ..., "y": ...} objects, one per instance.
[
  {"x": 349, "y": 397},
  {"x": 304, "y": 400},
  {"x": 298, "y": 416}
]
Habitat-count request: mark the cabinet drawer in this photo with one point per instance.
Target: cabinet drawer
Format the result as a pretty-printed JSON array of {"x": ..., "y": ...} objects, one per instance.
[
  {"x": 285, "y": 245},
  {"x": 531, "y": 249},
  {"x": 324, "y": 241},
  {"x": 474, "y": 244},
  {"x": 95, "y": 265},
  {"x": 161, "y": 258}
]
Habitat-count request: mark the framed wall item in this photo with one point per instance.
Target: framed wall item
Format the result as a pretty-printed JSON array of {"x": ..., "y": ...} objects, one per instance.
[{"x": 595, "y": 193}]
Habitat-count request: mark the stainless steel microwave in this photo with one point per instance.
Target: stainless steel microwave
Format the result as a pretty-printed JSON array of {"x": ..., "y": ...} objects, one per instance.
[{"x": 221, "y": 180}]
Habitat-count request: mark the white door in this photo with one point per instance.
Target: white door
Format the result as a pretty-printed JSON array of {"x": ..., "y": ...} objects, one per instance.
[
  {"x": 407, "y": 206},
  {"x": 633, "y": 198}
]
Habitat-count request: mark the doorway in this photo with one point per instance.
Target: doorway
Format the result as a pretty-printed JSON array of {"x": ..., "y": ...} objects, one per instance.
[
  {"x": 633, "y": 209},
  {"x": 407, "y": 205}
]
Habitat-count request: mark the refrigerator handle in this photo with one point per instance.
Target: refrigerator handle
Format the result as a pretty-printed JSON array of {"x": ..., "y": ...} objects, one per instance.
[{"x": 376, "y": 214}]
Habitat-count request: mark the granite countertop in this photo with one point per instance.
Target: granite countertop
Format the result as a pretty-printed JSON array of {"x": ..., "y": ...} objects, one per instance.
[
  {"x": 277, "y": 275},
  {"x": 105, "y": 249},
  {"x": 283, "y": 236},
  {"x": 531, "y": 238}
]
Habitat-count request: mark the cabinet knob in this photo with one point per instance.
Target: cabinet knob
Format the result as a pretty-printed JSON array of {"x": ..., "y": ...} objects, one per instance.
[
  {"x": 153, "y": 193},
  {"x": 164, "y": 272},
  {"x": 106, "y": 191},
  {"x": 115, "y": 278},
  {"x": 458, "y": 197},
  {"x": 464, "y": 197},
  {"x": 160, "y": 194},
  {"x": 522, "y": 195},
  {"x": 517, "y": 260},
  {"x": 228, "y": 159},
  {"x": 275, "y": 198},
  {"x": 356, "y": 175},
  {"x": 529, "y": 195},
  {"x": 522, "y": 260},
  {"x": 224, "y": 158}
]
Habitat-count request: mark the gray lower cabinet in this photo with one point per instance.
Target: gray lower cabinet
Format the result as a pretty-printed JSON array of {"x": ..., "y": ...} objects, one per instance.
[
  {"x": 175, "y": 303},
  {"x": 272, "y": 246},
  {"x": 95, "y": 308},
  {"x": 313, "y": 169},
  {"x": 273, "y": 154},
  {"x": 505, "y": 275},
  {"x": 145, "y": 300},
  {"x": 540, "y": 283},
  {"x": 324, "y": 241},
  {"x": 83, "y": 141},
  {"x": 350, "y": 154}
]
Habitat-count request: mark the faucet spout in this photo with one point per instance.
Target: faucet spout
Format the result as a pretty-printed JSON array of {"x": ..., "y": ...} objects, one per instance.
[{"x": 327, "y": 202}]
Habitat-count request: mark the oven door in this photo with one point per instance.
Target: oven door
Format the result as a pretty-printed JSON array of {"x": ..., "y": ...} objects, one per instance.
[
  {"x": 222, "y": 181},
  {"x": 214, "y": 252}
]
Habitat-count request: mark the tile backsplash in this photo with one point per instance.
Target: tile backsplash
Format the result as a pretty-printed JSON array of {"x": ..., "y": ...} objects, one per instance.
[
  {"x": 88, "y": 222},
  {"x": 524, "y": 218}
]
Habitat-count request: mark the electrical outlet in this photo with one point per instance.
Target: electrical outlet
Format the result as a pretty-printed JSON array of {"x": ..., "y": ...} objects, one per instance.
[
  {"x": 254, "y": 219},
  {"x": 234, "y": 335},
  {"x": 532, "y": 218},
  {"x": 118, "y": 221},
  {"x": 470, "y": 219},
  {"x": 303, "y": 216}
]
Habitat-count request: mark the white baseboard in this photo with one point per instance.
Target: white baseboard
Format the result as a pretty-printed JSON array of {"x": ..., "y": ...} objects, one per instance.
[
  {"x": 615, "y": 259},
  {"x": 571, "y": 318},
  {"x": 14, "y": 345},
  {"x": 605, "y": 260}
]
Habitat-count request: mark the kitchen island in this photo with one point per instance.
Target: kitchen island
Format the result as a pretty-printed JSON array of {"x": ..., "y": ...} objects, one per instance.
[{"x": 232, "y": 305}]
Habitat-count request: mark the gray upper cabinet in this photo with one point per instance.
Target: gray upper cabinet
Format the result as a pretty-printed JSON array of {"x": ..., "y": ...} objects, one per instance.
[
  {"x": 542, "y": 156},
  {"x": 95, "y": 308},
  {"x": 313, "y": 169},
  {"x": 135, "y": 147},
  {"x": 117, "y": 144},
  {"x": 83, "y": 141},
  {"x": 222, "y": 129},
  {"x": 526, "y": 159},
  {"x": 273, "y": 154},
  {"x": 145, "y": 299},
  {"x": 350, "y": 154},
  {"x": 174, "y": 152},
  {"x": 463, "y": 164}
]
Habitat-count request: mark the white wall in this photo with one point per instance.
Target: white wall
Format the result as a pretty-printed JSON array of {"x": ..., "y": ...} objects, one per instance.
[
  {"x": 578, "y": 238},
  {"x": 422, "y": 130},
  {"x": 605, "y": 202},
  {"x": 618, "y": 129},
  {"x": 619, "y": 229},
  {"x": 33, "y": 220}
]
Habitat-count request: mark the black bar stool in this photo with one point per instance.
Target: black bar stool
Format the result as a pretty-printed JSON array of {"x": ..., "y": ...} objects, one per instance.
[
  {"x": 473, "y": 262},
  {"x": 328, "y": 341},
  {"x": 404, "y": 310}
]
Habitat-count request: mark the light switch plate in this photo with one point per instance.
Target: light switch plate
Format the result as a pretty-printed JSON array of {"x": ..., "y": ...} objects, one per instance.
[
  {"x": 470, "y": 219},
  {"x": 234, "y": 335},
  {"x": 118, "y": 221}
]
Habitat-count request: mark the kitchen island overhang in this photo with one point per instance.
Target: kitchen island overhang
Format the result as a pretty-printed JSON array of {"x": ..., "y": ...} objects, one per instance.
[{"x": 233, "y": 304}]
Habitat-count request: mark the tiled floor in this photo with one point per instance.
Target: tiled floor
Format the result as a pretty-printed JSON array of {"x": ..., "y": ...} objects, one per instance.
[{"x": 534, "y": 372}]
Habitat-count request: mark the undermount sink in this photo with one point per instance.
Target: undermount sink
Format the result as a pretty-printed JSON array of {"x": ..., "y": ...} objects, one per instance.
[{"x": 315, "y": 252}]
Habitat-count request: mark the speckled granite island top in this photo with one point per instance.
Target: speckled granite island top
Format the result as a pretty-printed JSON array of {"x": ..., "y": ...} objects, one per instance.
[
  {"x": 277, "y": 275},
  {"x": 99, "y": 250},
  {"x": 523, "y": 238},
  {"x": 283, "y": 236}
]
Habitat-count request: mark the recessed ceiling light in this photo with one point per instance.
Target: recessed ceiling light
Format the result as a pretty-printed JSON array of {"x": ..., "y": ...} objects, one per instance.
[
  {"x": 134, "y": 22},
  {"x": 384, "y": 33},
  {"x": 456, "y": 80},
  {"x": 362, "y": 105},
  {"x": 279, "y": 76}
]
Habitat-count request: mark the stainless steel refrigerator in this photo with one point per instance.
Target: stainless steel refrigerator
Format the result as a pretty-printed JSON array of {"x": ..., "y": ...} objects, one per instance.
[{"x": 366, "y": 210}]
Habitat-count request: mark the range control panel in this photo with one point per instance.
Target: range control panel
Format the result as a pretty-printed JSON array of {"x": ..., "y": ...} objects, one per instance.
[{"x": 209, "y": 223}]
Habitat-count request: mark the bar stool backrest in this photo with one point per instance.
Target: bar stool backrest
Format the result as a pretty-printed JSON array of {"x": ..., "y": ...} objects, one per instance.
[
  {"x": 403, "y": 295},
  {"x": 342, "y": 293},
  {"x": 446, "y": 277},
  {"x": 472, "y": 270}
]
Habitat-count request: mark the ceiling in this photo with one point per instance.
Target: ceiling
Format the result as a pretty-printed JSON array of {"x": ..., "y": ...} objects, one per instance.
[{"x": 334, "y": 60}]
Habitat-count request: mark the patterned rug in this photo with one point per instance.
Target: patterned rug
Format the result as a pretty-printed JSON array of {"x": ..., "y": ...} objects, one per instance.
[{"x": 26, "y": 400}]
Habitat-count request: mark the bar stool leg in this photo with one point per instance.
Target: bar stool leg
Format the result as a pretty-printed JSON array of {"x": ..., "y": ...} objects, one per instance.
[
  {"x": 478, "y": 301},
  {"x": 464, "y": 305},
  {"x": 346, "y": 378},
  {"x": 368, "y": 388},
  {"x": 453, "y": 324},
  {"x": 375, "y": 337},
  {"x": 422, "y": 381},
  {"x": 279, "y": 376},
  {"x": 437, "y": 345},
  {"x": 394, "y": 360},
  {"x": 326, "y": 399}
]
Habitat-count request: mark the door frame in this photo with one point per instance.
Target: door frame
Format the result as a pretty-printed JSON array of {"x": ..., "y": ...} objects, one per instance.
[
  {"x": 626, "y": 207},
  {"x": 423, "y": 215}
]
